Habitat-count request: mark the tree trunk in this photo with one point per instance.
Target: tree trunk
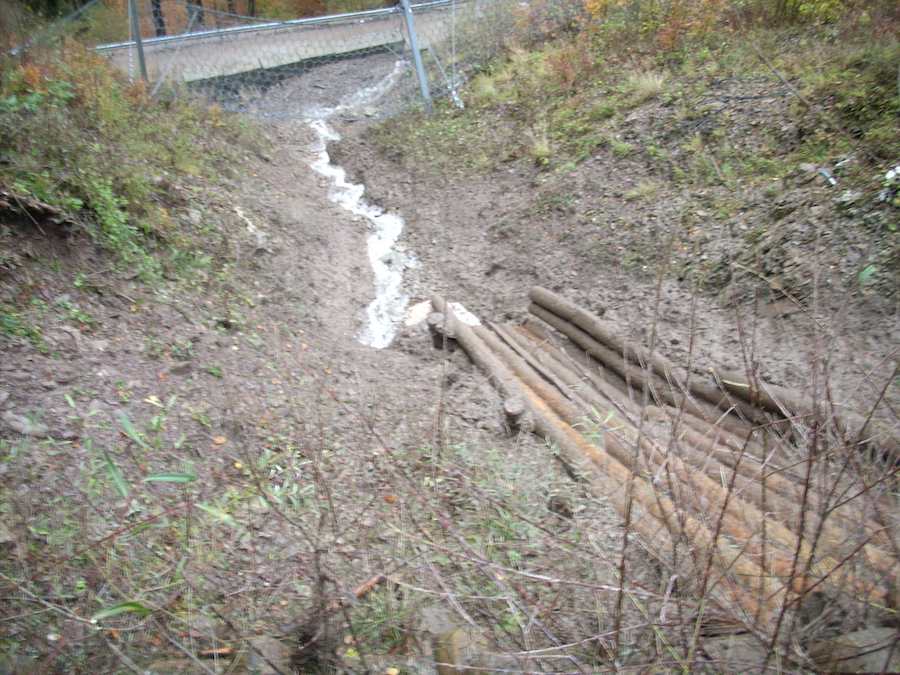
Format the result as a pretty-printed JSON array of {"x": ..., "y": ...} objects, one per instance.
[
  {"x": 159, "y": 21},
  {"x": 201, "y": 15}
]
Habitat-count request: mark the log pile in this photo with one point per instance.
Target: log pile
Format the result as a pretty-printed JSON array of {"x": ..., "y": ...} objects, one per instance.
[{"x": 712, "y": 466}]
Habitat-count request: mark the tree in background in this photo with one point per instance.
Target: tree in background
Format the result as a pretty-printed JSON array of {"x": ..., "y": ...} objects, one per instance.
[
  {"x": 199, "y": 15},
  {"x": 159, "y": 21}
]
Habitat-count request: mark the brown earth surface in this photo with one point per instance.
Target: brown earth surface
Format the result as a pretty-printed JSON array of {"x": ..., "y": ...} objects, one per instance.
[{"x": 250, "y": 371}]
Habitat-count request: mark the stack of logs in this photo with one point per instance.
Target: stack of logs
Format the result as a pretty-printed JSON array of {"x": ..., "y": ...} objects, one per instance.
[{"x": 712, "y": 465}]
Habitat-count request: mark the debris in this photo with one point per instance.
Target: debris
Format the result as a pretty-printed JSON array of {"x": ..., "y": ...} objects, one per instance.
[{"x": 827, "y": 175}]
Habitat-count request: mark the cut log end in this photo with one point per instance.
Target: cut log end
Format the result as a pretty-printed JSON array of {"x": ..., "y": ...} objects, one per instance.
[
  {"x": 514, "y": 411},
  {"x": 441, "y": 331}
]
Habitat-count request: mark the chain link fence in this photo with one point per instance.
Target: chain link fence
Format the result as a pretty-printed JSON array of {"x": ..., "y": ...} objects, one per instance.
[{"x": 253, "y": 64}]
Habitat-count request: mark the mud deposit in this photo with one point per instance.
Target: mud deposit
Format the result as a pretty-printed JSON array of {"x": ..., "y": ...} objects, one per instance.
[{"x": 388, "y": 308}]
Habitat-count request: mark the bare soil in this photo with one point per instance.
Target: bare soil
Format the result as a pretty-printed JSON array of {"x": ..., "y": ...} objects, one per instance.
[{"x": 248, "y": 374}]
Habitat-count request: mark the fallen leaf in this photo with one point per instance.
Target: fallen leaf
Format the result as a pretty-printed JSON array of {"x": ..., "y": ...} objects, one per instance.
[
  {"x": 219, "y": 440},
  {"x": 390, "y": 499}
]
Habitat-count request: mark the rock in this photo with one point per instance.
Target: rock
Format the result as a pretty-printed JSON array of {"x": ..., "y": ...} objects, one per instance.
[
  {"x": 779, "y": 308},
  {"x": 262, "y": 242},
  {"x": 844, "y": 163},
  {"x": 100, "y": 345},
  {"x": 96, "y": 406},
  {"x": 181, "y": 368},
  {"x": 865, "y": 651},
  {"x": 267, "y": 652},
  {"x": 462, "y": 646},
  {"x": 735, "y": 653},
  {"x": 4, "y": 397},
  {"x": 194, "y": 217},
  {"x": 848, "y": 198},
  {"x": 23, "y": 425}
]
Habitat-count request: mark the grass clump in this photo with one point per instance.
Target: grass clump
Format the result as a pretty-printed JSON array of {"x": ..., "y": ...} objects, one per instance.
[
  {"x": 645, "y": 86},
  {"x": 13, "y": 325}
]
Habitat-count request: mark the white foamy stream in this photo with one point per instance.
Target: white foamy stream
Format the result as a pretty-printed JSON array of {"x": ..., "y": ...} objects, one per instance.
[{"x": 385, "y": 313}]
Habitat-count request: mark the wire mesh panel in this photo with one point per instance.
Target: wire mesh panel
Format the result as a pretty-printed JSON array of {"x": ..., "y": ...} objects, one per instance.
[
  {"x": 237, "y": 58},
  {"x": 234, "y": 58},
  {"x": 461, "y": 38},
  {"x": 249, "y": 46}
]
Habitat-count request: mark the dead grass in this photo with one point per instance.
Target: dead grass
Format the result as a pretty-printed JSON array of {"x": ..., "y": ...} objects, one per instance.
[{"x": 644, "y": 86}]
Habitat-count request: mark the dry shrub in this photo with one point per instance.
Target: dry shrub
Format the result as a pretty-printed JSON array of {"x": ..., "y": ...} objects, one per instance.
[
  {"x": 572, "y": 62},
  {"x": 646, "y": 85}
]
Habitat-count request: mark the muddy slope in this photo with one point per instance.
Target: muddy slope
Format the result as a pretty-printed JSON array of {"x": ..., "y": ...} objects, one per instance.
[{"x": 485, "y": 238}]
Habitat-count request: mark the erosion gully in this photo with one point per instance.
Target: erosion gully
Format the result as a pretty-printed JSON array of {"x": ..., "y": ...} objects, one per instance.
[{"x": 388, "y": 309}]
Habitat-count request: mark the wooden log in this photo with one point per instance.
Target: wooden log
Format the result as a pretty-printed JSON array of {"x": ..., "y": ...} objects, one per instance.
[
  {"x": 652, "y": 513},
  {"x": 561, "y": 384},
  {"x": 514, "y": 411},
  {"x": 610, "y": 397},
  {"x": 660, "y": 390},
  {"x": 787, "y": 402},
  {"x": 441, "y": 333},
  {"x": 739, "y": 513},
  {"x": 782, "y": 496},
  {"x": 724, "y": 437},
  {"x": 605, "y": 333},
  {"x": 742, "y": 519}
]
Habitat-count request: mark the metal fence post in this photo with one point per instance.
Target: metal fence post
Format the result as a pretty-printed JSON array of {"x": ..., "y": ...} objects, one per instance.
[
  {"x": 136, "y": 36},
  {"x": 417, "y": 56}
]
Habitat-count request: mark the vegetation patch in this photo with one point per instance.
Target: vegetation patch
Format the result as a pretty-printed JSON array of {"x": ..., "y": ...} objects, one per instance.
[{"x": 76, "y": 135}]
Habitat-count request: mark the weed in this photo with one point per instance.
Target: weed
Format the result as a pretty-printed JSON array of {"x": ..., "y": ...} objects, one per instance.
[
  {"x": 483, "y": 90},
  {"x": 13, "y": 325},
  {"x": 644, "y": 190},
  {"x": 75, "y": 314},
  {"x": 641, "y": 87},
  {"x": 540, "y": 149},
  {"x": 620, "y": 148},
  {"x": 602, "y": 111},
  {"x": 182, "y": 350}
]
